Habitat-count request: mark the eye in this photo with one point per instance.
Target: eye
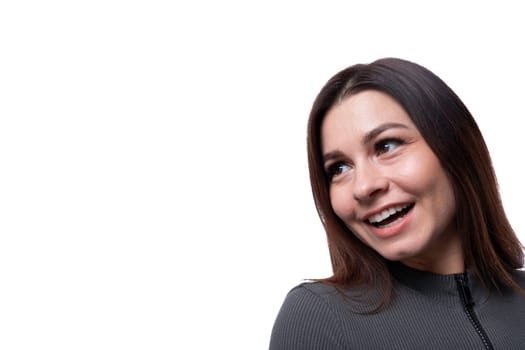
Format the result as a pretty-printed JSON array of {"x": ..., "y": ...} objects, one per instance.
[
  {"x": 387, "y": 145},
  {"x": 336, "y": 169}
]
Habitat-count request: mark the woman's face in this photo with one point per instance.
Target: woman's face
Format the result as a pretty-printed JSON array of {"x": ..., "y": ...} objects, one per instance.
[{"x": 387, "y": 185}]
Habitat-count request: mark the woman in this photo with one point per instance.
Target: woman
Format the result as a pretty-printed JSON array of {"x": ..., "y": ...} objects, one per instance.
[{"x": 423, "y": 255}]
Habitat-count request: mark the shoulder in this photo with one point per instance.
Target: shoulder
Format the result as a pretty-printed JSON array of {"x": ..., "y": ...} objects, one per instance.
[
  {"x": 322, "y": 298},
  {"x": 308, "y": 319},
  {"x": 310, "y": 297},
  {"x": 317, "y": 289}
]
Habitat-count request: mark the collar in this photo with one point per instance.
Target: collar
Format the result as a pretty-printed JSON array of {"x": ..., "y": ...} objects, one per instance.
[{"x": 443, "y": 289}]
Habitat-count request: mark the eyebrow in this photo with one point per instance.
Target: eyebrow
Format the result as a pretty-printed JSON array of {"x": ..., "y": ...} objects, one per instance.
[
  {"x": 369, "y": 136},
  {"x": 372, "y": 134}
]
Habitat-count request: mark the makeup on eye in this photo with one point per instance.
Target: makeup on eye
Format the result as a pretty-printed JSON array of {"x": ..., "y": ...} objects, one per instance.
[
  {"x": 387, "y": 145},
  {"x": 336, "y": 168}
]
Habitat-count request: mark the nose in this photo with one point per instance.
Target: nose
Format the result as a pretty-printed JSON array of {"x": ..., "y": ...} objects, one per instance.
[{"x": 369, "y": 182}]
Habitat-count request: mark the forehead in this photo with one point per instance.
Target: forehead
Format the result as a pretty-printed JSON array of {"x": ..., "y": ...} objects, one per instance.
[{"x": 358, "y": 114}]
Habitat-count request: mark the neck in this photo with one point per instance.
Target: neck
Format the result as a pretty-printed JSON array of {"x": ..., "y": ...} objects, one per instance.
[
  {"x": 446, "y": 260},
  {"x": 451, "y": 266}
]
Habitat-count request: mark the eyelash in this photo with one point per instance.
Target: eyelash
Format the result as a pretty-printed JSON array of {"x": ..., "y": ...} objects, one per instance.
[
  {"x": 334, "y": 169},
  {"x": 379, "y": 146}
]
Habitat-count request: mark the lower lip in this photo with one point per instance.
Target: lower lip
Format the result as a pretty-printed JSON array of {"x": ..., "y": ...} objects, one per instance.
[{"x": 394, "y": 228}]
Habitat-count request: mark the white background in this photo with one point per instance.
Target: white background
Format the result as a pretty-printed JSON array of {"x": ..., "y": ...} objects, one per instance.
[{"x": 154, "y": 190}]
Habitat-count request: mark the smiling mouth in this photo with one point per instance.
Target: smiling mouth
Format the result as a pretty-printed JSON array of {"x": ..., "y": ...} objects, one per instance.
[{"x": 390, "y": 215}]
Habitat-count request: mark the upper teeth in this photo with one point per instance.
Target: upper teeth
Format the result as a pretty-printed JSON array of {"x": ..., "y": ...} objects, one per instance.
[{"x": 386, "y": 213}]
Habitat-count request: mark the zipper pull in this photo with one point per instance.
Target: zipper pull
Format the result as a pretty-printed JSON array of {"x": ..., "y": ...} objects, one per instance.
[{"x": 464, "y": 289}]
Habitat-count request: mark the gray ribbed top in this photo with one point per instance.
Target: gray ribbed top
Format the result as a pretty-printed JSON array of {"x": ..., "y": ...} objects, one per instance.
[{"x": 426, "y": 313}]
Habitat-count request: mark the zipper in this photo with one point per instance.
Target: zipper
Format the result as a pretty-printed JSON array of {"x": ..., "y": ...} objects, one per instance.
[{"x": 468, "y": 307}]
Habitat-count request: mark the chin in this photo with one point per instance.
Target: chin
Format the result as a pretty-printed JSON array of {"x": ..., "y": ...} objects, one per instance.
[{"x": 398, "y": 255}]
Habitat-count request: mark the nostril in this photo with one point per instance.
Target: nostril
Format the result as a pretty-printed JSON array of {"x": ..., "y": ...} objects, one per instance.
[
  {"x": 370, "y": 189},
  {"x": 366, "y": 194}
]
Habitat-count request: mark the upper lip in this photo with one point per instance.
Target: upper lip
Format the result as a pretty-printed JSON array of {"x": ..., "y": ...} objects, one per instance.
[{"x": 381, "y": 208}]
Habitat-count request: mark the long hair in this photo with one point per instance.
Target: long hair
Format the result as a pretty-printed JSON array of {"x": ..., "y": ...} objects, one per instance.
[{"x": 491, "y": 249}]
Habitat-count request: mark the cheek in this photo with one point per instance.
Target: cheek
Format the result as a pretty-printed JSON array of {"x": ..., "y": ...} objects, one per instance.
[
  {"x": 412, "y": 168},
  {"x": 446, "y": 198},
  {"x": 420, "y": 173},
  {"x": 426, "y": 178},
  {"x": 342, "y": 203}
]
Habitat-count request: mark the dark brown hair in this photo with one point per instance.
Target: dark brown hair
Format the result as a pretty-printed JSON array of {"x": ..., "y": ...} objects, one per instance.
[{"x": 491, "y": 249}]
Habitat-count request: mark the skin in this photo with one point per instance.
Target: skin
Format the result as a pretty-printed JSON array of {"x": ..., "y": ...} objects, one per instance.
[{"x": 377, "y": 159}]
